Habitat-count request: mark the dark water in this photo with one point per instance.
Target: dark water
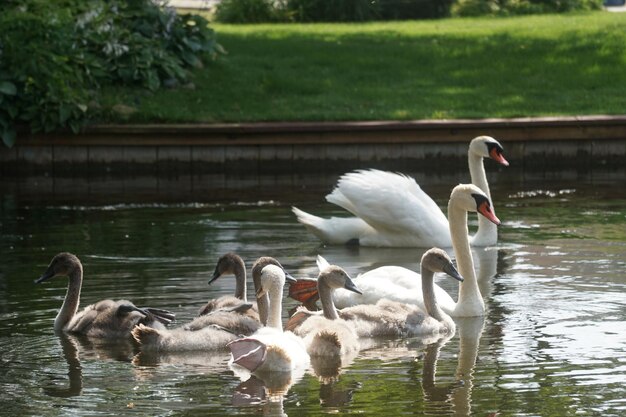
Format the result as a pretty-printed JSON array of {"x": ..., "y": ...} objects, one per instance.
[{"x": 552, "y": 343}]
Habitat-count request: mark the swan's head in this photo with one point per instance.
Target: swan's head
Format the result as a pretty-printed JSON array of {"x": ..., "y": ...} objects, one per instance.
[
  {"x": 471, "y": 198},
  {"x": 62, "y": 264},
  {"x": 488, "y": 147},
  {"x": 227, "y": 264},
  {"x": 437, "y": 260},
  {"x": 261, "y": 263},
  {"x": 335, "y": 277},
  {"x": 272, "y": 280}
]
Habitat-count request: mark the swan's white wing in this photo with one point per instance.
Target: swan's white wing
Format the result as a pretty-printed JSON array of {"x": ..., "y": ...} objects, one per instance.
[
  {"x": 270, "y": 350},
  {"x": 322, "y": 263},
  {"x": 335, "y": 230},
  {"x": 390, "y": 203}
]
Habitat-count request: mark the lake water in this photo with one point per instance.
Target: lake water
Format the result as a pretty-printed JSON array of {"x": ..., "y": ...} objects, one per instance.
[{"x": 552, "y": 343}]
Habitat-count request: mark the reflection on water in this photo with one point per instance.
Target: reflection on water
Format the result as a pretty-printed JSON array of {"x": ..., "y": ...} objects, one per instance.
[
  {"x": 75, "y": 373},
  {"x": 551, "y": 343}
]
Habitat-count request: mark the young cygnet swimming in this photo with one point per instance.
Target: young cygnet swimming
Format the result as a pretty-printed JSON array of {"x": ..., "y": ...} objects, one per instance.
[
  {"x": 232, "y": 263},
  {"x": 393, "y": 319},
  {"x": 225, "y": 319},
  {"x": 228, "y": 264},
  {"x": 104, "y": 319},
  {"x": 326, "y": 334},
  {"x": 270, "y": 349}
]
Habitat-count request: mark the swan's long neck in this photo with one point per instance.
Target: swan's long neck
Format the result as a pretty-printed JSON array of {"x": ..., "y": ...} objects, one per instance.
[
  {"x": 275, "y": 307},
  {"x": 428, "y": 290},
  {"x": 326, "y": 298},
  {"x": 72, "y": 299},
  {"x": 477, "y": 172},
  {"x": 487, "y": 233},
  {"x": 470, "y": 302},
  {"x": 240, "y": 282}
]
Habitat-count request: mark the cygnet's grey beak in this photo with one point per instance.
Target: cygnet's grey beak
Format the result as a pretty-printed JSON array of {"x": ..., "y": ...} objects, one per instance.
[
  {"x": 215, "y": 276},
  {"x": 351, "y": 286},
  {"x": 451, "y": 270},
  {"x": 46, "y": 276},
  {"x": 289, "y": 279}
]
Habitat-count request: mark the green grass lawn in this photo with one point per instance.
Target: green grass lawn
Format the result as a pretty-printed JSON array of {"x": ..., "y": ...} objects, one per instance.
[{"x": 454, "y": 68}]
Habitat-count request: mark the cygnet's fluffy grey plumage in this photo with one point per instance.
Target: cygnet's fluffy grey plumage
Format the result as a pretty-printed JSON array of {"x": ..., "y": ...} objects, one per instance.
[
  {"x": 327, "y": 334},
  {"x": 104, "y": 319},
  {"x": 224, "y": 319},
  {"x": 393, "y": 319},
  {"x": 230, "y": 264}
]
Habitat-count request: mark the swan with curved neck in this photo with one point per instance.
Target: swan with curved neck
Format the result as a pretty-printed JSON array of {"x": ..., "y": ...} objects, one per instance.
[
  {"x": 388, "y": 318},
  {"x": 270, "y": 349},
  {"x": 403, "y": 285},
  {"x": 392, "y": 210},
  {"x": 225, "y": 319},
  {"x": 230, "y": 264},
  {"x": 106, "y": 318},
  {"x": 466, "y": 198},
  {"x": 327, "y": 334}
]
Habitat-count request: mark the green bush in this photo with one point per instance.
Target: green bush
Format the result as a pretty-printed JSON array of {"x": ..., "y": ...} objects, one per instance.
[
  {"x": 475, "y": 7},
  {"x": 414, "y": 9},
  {"x": 41, "y": 87},
  {"x": 55, "y": 54},
  {"x": 519, "y": 7},
  {"x": 258, "y": 11},
  {"x": 334, "y": 10},
  {"x": 250, "y": 11}
]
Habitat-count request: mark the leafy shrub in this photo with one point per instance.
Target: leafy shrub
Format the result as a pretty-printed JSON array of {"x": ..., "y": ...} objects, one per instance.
[
  {"x": 334, "y": 10},
  {"x": 55, "y": 54},
  {"x": 257, "y": 11},
  {"x": 41, "y": 87},
  {"x": 414, "y": 9},
  {"x": 475, "y": 7},
  {"x": 519, "y": 7},
  {"x": 250, "y": 11}
]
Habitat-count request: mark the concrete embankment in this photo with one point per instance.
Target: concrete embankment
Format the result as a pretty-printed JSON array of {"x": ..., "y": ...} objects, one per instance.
[{"x": 332, "y": 147}]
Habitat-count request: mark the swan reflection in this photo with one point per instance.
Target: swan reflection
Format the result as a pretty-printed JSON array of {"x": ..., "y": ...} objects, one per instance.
[
  {"x": 267, "y": 392},
  {"x": 74, "y": 387}
]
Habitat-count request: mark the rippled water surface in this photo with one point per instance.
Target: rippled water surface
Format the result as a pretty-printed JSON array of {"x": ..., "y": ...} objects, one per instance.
[{"x": 552, "y": 343}]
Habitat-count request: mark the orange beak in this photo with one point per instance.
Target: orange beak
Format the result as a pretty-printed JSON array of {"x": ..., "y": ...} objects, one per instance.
[
  {"x": 497, "y": 156},
  {"x": 485, "y": 210}
]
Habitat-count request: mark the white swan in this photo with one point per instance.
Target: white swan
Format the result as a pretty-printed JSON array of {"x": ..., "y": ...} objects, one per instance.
[
  {"x": 104, "y": 319},
  {"x": 403, "y": 285},
  {"x": 390, "y": 318},
  {"x": 326, "y": 334},
  {"x": 270, "y": 349},
  {"x": 392, "y": 210}
]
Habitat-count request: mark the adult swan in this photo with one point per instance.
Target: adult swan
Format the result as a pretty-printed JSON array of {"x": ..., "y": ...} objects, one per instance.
[
  {"x": 403, "y": 285},
  {"x": 392, "y": 210}
]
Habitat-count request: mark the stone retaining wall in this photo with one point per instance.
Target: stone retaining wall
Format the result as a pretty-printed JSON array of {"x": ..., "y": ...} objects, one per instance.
[{"x": 329, "y": 147}]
